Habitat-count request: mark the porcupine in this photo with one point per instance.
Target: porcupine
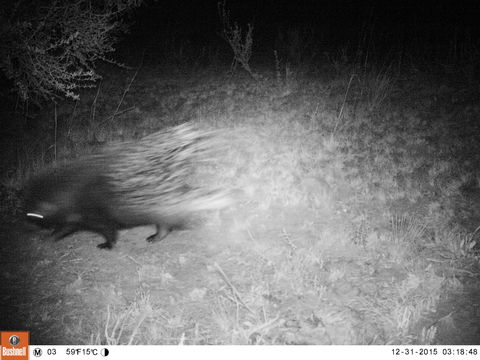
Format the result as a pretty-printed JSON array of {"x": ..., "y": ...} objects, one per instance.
[{"x": 129, "y": 184}]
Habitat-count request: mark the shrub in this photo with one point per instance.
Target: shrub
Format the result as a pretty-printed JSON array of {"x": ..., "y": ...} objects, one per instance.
[{"x": 48, "y": 48}]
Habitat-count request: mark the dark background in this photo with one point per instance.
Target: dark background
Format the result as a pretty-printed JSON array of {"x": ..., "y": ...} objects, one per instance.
[{"x": 386, "y": 25}]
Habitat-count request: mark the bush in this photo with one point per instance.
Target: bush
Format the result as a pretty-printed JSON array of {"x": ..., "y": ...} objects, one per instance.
[{"x": 48, "y": 48}]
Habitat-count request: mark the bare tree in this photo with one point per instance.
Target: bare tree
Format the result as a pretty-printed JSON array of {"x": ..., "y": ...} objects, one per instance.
[{"x": 241, "y": 45}]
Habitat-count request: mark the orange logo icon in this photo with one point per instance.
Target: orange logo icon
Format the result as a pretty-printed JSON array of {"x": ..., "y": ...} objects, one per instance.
[{"x": 14, "y": 345}]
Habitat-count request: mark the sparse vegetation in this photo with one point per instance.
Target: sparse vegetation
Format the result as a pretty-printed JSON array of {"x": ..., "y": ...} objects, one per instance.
[{"x": 240, "y": 44}]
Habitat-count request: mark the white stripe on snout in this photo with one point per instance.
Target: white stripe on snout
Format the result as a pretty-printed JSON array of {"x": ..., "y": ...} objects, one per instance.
[{"x": 35, "y": 215}]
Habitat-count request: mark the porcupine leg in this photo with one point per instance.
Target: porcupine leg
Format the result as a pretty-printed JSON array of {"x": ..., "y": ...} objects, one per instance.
[
  {"x": 162, "y": 231},
  {"x": 110, "y": 235},
  {"x": 98, "y": 220},
  {"x": 108, "y": 230},
  {"x": 61, "y": 232}
]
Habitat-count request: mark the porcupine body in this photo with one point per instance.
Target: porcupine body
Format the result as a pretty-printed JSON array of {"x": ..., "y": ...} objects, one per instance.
[{"x": 129, "y": 184}]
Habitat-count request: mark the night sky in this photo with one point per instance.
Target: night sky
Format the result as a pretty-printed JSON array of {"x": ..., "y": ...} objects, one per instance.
[{"x": 386, "y": 24}]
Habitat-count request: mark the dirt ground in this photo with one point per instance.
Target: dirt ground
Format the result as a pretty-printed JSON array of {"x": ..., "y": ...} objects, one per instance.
[{"x": 209, "y": 286}]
